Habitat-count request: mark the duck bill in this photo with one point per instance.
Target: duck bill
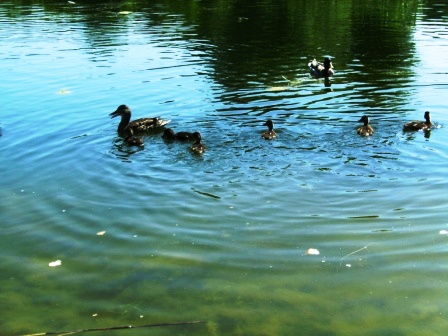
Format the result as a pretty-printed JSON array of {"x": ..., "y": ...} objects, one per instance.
[{"x": 114, "y": 114}]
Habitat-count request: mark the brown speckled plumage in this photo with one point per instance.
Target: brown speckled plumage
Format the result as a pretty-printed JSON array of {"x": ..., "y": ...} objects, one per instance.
[
  {"x": 128, "y": 127},
  {"x": 270, "y": 133},
  {"x": 366, "y": 129},
  {"x": 198, "y": 147},
  {"x": 417, "y": 125}
]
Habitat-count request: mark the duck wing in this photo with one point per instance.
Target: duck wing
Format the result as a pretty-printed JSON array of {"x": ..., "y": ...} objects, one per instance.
[
  {"x": 269, "y": 135},
  {"x": 416, "y": 125},
  {"x": 365, "y": 130},
  {"x": 145, "y": 124},
  {"x": 184, "y": 136}
]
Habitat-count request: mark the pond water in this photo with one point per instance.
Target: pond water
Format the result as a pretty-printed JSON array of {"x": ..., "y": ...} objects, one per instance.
[{"x": 158, "y": 235}]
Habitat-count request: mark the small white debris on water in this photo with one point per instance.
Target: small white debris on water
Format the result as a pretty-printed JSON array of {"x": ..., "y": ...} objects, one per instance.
[
  {"x": 444, "y": 232},
  {"x": 55, "y": 263},
  {"x": 313, "y": 251}
]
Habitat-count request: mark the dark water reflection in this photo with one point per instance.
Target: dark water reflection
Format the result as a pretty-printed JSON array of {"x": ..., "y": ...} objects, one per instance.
[{"x": 223, "y": 237}]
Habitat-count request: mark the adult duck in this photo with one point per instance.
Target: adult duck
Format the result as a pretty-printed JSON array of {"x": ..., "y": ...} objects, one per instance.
[
  {"x": 126, "y": 126},
  {"x": 417, "y": 125},
  {"x": 318, "y": 69},
  {"x": 198, "y": 147},
  {"x": 366, "y": 129},
  {"x": 270, "y": 133},
  {"x": 181, "y": 136}
]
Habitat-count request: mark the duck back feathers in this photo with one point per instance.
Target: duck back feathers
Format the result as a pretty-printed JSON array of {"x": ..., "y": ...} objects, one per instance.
[
  {"x": 366, "y": 129},
  {"x": 318, "y": 69},
  {"x": 198, "y": 147},
  {"x": 270, "y": 133},
  {"x": 180, "y": 136}
]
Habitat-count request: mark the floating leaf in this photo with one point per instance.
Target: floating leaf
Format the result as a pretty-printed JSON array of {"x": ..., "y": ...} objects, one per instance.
[
  {"x": 64, "y": 91},
  {"x": 100, "y": 233},
  {"x": 55, "y": 263},
  {"x": 313, "y": 251},
  {"x": 278, "y": 88}
]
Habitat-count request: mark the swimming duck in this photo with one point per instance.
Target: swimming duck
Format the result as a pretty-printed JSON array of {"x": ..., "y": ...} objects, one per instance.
[
  {"x": 318, "y": 69},
  {"x": 137, "y": 126},
  {"x": 181, "y": 136},
  {"x": 134, "y": 141},
  {"x": 270, "y": 133},
  {"x": 419, "y": 125},
  {"x": 198, "y": 147},
  {"x": 365, "y": 130}
]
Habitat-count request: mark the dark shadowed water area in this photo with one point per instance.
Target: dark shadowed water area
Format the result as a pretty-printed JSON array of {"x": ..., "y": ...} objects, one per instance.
[{"x": 160, "y": 235}]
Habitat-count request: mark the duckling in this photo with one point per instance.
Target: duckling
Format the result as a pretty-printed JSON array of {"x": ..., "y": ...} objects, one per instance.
[
  {"x": 318, "y": 69},
  {"x": 270, "y": 133},
  {"x": 419, "y": 125},
  {"x": 181, "y": 136},
  {"x": 134, "y": 141},
  {"x": 198, "y": 147},
  {"x": 137, "y": 126},
  {"x": 365, "y": 130}
]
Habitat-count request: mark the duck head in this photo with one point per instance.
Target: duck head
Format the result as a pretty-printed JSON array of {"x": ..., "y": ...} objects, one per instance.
[
  {"x": 427, "y": 117},
  {"x": 168, "y": 134},
  {"x": 270, "y": 124},
  {"x": 197, "y": 136},
  {"x": 327, "y": 63},
  {"x": 364, "y": 119},
  {"x": 120, "y": 111}
]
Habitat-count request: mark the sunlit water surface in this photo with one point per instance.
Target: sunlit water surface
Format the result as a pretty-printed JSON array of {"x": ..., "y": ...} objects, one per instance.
[{"x": 222, "y": 237}]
